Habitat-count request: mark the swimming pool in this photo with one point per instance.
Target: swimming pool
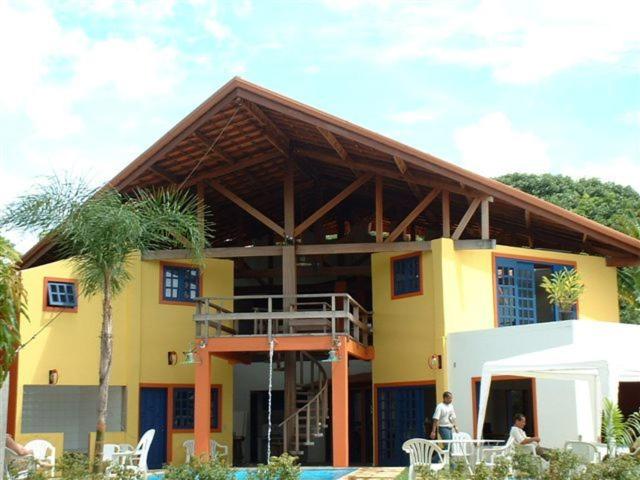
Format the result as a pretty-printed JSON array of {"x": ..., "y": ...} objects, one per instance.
[{"x": 309, "y": 473}]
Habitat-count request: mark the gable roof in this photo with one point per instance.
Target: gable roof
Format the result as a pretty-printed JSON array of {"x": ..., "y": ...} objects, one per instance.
[{"x": 255, "y": 129}]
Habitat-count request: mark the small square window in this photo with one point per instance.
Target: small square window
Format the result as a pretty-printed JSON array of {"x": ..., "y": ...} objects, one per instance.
[
  {"x": 183, "y": 408},
  {"x": 180, "y": 284},
  {"x": 61, "y": 294},
  {"x": 406, "y": 275}
]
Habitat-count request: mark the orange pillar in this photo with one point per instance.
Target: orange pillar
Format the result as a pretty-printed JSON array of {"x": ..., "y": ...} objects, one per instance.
[
  {"x": 202, "y": 407},
  {"x": 340, "y": 407}
]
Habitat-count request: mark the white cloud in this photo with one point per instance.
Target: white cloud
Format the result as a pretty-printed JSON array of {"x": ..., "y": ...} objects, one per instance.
[
  {"x": 493, "y": 147},
  {"x": 622, "y": 169},
  {"x": 521, "y": 42},
  {"x": 411, "y": 117},
  {"x": 311, "y": 69},
  {"x": 243, "y": 8},
  {"x": 219, "y": 30}
]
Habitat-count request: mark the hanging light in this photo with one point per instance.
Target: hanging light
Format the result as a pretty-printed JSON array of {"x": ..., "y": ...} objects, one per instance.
[
  {"x": 333, "y": 356},
  {"x": 191, "y": 357}
]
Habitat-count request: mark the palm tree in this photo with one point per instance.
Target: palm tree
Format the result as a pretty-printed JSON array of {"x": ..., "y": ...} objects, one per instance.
[{"x": 99, "y": 230}]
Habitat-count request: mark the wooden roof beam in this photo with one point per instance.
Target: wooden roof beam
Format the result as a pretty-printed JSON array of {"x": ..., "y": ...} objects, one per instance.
[
  {"x": 466, "y": 218},
  {"x": 338, "y": 147},
  {"x": 255, "y": 213},
  {"x": 402, "y": 226},
  {"x": 213, "y": 151},
  {"x": 623, "y": 261},
  {"x": 240, "y": 165},
  {"x": 402, "y": 167},
  {"x": 275, "y": 136},
  {"x": 327, "y": 207},
  {"x": 166, "y": 174}
]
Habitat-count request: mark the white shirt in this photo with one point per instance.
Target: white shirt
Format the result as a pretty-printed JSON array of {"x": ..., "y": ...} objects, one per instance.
[
  {"x": 518, "y": 435},
  {"x": 445, "y": 414}
]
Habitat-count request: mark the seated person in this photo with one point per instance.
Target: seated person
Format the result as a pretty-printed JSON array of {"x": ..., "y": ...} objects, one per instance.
[
  {"x": 520, "y": 437},
  {"x": 16, "y": 447}
]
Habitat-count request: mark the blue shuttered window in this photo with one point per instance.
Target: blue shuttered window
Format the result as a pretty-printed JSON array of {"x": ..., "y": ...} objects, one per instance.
[
  {"x": 180, "y": 284},
  {"x": 520, "y": 298},
  {"x": 183, "y": 408},
  {"x": 406, "y": 275},
  {"x": 61, "y": 294}
]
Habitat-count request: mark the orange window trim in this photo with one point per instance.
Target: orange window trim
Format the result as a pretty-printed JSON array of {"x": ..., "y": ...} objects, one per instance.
[
  {"x": 547, "y": 261},
  {"x": 45, "y": 295},
  {"x": 392, "y": 261},
  {"x": 183, "y": 265},
  {"x": 376, "y": 387},
  {"x": 498, "y": 378},
  {"x": 170, "y": 430}
]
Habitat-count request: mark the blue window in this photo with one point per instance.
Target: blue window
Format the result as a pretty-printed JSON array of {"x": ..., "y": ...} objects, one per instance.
[
  {"x": 180, "y": 284},
  {"x": 61, "y": 294},
  {"x": 520, "y": 297},
  {"x": 183, "y": 408},
  {"x": 406, "y": 276}
]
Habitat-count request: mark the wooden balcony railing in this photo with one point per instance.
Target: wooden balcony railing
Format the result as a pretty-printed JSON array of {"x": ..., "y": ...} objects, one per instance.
[{"x": 276, "y": 315}]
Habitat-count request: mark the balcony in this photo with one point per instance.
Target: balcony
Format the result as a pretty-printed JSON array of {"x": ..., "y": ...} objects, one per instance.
[{"x": 281, "y": 315}]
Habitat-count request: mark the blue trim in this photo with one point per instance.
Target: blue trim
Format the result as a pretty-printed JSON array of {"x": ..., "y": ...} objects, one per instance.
[
  {"x": 180, "y": 284},
  {"x": 61, "y": 294}
]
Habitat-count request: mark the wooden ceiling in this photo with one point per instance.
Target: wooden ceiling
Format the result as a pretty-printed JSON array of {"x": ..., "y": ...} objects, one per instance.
[{"x": 242, "y": 138}]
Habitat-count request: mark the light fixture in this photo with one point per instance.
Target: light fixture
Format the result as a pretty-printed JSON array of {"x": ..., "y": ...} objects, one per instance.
[
  {"x": 191, "y": 356},
  {"x": 435, "y": 362},
  {"x": 53, "y": 377},
  {"x": 172, "y": 358},
  {"x": 333, "y": 356}
]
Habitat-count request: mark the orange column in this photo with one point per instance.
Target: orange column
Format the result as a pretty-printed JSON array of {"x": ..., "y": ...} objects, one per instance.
[
  {"x": 202, "y": 407},
  {"x": 340, "y": 407}
]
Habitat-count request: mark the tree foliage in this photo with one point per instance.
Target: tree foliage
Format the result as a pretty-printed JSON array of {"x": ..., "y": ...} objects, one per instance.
[
  {"x": 12, "y": 305},
  {"x": 607, "y": 203}
]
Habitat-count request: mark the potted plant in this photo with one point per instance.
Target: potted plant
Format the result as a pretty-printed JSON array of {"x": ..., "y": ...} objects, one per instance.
[{"x": 563, "y": 288}]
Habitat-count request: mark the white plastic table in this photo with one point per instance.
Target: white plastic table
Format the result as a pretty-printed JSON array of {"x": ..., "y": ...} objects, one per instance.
[{"x": 477, "y": 443}]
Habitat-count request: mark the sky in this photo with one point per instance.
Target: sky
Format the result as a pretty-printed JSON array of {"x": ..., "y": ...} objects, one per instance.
[{"x": 494, "y": 86}]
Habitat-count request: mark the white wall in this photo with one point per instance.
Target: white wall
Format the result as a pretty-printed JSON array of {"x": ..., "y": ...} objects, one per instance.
[{"x": 563, "y": 412}]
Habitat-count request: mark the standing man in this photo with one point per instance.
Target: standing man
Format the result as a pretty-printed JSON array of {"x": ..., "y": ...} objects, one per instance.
[{"x": 444, "y": 418}]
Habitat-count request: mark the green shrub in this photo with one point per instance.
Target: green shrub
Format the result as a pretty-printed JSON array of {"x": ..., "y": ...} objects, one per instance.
[
  {"x": 284, "y": 467},
  {"x": 624, "y": 467},
  {"x": 214, "y": 469},
  {"x": 563, "y": 465},
  {"x": 73, "y": 466},
  {"x": 526, "y": 467}
]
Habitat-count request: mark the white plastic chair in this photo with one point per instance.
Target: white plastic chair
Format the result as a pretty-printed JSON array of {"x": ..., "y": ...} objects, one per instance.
[
  {"x": 44, "y": 453},
  {"x": 587, "y": 452},
  {"x": 216, "y": 449},
  {"x": 461, "y": 450},
  {"x": 136, "y": 460},
  {"x": 489, "y": 455},
  {"x": 18, "y": 467},
  {"x": 108, "y": 452},
  {"x": 422, "y": 452}
]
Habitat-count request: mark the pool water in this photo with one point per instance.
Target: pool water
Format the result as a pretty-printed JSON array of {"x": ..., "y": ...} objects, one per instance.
[{"x": 306, "y": 474}]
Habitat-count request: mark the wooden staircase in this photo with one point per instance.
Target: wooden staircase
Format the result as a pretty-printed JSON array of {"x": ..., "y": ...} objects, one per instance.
[{"x": 309, "y": 421}]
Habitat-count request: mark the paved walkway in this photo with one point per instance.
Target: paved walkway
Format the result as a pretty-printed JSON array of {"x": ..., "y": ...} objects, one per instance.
[{"x": 372, "y": 473}]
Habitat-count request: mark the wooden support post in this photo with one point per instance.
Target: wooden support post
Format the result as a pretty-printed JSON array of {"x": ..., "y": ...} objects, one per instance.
[
  {"x": 484, "y": 219},
  {"x": 379, "y": 209},
  {"x": 527, "y": 222},
  {"x": 466, "y": 218},
  {"x": 446, "y": 215},
  {"x": 202, "y": 405},
  {"x": 426, "y": 201},
  {"x": 200, "y": 212},
  {"x": 340, "y": 407}
]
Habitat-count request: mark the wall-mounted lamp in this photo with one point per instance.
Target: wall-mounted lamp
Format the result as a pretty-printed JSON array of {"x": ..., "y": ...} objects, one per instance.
[
  {"x": 172, "y": 358},
  {"x": 191, "y": 357},
  {"x": 333, "y": 353},
  {"x": 53, "y": 377},
  {"x": 435, "y": 362}
]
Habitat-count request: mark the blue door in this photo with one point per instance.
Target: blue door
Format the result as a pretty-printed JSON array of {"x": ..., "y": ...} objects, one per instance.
[
  {"x": 153, "y": 414},
  {"x": 402, "y": 412}
]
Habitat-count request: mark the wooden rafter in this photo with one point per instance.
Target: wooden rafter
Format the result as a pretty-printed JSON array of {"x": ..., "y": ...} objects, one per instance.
[
  {"x": 402, "y": 226},
  {"x": 215, "y": 151},
  {"x": 167, "y": 175},
  {"x": 527, "y": 222},
  {"x": 475, "y": 203},
  {"x": 422, "y": 180},
  {"x": 216, "y": 172},
  {"x": 402, "y": 167},
  {"x": 275, "y": 136},
  {"x": 255, "y": 213},
  {"x": 338, "y": 147},
  {"x": 327, "y": 207},
  {"x": 379, "y": 213}
]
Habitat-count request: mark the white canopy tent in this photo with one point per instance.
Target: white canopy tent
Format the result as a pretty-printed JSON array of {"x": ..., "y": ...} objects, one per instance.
[{"x": 602, "y": 366}]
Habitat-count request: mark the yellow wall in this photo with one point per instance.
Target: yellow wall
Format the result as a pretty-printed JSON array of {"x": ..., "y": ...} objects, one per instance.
[
  {"x": 458, "y": 295},
  {"x": 144, "y": 331}
]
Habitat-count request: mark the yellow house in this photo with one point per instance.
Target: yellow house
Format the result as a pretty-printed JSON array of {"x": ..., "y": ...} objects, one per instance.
[{"x": 342, "y": 265}]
